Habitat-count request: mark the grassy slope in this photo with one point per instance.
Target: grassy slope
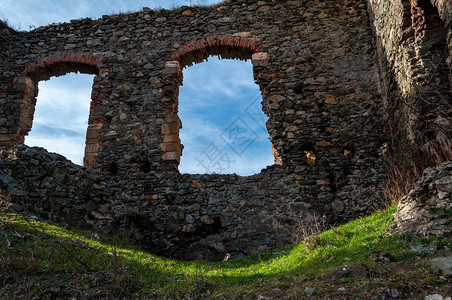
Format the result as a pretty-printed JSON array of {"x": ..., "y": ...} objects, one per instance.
[{"x": 42, "y": 260}]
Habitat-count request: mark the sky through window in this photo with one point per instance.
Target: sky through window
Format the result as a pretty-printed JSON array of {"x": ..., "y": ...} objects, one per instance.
[{"x": 223, "y": 122}]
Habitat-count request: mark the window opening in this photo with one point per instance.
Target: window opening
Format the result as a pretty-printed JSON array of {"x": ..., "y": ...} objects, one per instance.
[
  {"x": 224, "y": 128},
  {"x": 61, "y": 115}
]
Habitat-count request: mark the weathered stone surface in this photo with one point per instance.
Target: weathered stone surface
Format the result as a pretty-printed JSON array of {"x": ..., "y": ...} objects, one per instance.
[
  {"x": 411, "y": 45},
  {"x": 427, "y": 209}
]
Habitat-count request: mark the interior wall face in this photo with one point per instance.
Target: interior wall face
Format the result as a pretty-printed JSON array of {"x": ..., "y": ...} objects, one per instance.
[{"x": 413, "y": 43}]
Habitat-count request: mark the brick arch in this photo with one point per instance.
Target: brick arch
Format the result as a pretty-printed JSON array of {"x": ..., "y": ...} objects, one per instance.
[
  {"x": 47, "y": 67},
  {"x": 228, "y": 47},
  {"x": 27, "y": 87}
]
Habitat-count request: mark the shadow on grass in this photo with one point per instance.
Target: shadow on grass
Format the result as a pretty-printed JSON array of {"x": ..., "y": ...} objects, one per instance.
[{"x": 335, "y": 247}]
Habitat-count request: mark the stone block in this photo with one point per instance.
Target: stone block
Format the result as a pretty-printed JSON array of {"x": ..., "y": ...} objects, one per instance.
[
  {"x": 92, "y": 132},
  {"x": 245, "y": 34},
  {"x": 260, "y": 56},
  {"x": 172, "y": 156},
  {"x": 189, "y": 228},
  {"x": 92, "y": 148},
  {"x": 171, "y": 118},
  {"x": 171, "y": 67},
  {"x": 170, "y": 128},
  {"x": 8, "y": 139},
  {"x": 196, "y": 184},
  {"x": 330, "y": 99},
  {"x": 167, "y": 138},
  {"x": 276, "y": 98},
  {"x": 338, "y": 206},
  {"x": 88, "y": 160},
  {"x": 322, "y": 182},
  {"x": 173, "y": 146},
  {"x": 322, "y": 144}
]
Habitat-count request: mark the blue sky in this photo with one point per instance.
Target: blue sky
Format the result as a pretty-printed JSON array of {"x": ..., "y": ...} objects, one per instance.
[
  {"x": 222, "y": 119},
  {"x": 219, "y": 103}
]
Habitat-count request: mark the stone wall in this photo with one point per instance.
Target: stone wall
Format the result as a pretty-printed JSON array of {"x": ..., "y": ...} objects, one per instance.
[
  {"x": 315, "y": 64},
  {"x": 414, "y": 50},
  {"x": 427, "y": 209},
  {"x": 5, "y": 33}
]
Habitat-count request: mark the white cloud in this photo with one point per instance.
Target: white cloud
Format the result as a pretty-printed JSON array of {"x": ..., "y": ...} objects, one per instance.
[
  {"x": 197, "y": 163},
  {"x": 61, "y": 115},
  {"x": 37, "y": 13},
  {"x": 62, "y": 107},
  {"x": 220, "y": 77},
  {"x": 213, "y": 96}
]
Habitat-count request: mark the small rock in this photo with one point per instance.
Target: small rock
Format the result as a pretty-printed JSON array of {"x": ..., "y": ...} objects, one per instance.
[
  {"x": 444, "y": 264},
  {"x": 380, "y": 256},
  {"x": 341, "y": 288},
  {"x": 189, "y": 228},
  {"x": 330, "y": 99},
  {"x": 196, "y": 184},
  {"x": 310, "y": 291},
  {"x": 436, "y": 297},
  {"x": 189, "y": 219},
  {"x": 338, "y": 206},
  {"x": 357, "y": 271},
  {"x": 322, "y": 143},
  {"x": 421, "y": 249},
  {"x": 393, "y": 293}
]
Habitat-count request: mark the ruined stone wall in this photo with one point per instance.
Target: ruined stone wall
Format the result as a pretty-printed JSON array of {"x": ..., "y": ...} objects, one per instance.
[
  {"x": 314, "y": 63},
  {"x": 5, "y": 33},
  {"x": 427, "y": 209},
  {"x": 414, "y": 50},
  {"x": 5, "y": 36}
]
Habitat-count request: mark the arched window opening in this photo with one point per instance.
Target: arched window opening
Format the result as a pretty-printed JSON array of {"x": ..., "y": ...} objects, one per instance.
[
  {"x": 61, "y": 115},
  {"x": 224, "y": 128}
]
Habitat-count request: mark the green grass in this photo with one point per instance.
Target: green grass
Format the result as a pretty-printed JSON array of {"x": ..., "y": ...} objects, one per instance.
[{"x": 43, "y": 259}]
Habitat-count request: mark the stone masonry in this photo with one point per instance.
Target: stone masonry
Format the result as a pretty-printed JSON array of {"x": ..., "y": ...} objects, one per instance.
[
  {"x": 427, "y": 209},
  {"x": 334, "y": 76}
]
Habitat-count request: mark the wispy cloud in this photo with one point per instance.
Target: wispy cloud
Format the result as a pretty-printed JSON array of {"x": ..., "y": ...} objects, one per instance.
[
  {"x": 230, "y": 78},
  {"x": 242, "y": 165},
  {"x": 37, "y": 13},
  {"x": 224, "y": 125},
  {"x": 61, "y": 115}
]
